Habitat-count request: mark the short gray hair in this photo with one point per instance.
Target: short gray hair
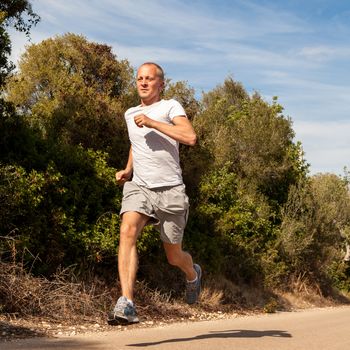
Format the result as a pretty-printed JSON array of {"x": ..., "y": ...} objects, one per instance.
[{"x": 160, "y": 71}]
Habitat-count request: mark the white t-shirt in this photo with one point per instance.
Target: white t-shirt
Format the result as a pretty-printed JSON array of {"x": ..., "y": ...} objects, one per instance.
[{"x": 155, "y": 155}]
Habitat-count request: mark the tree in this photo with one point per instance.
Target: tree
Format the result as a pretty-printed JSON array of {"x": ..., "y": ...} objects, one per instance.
[
  {"x": 315, "y": 220},
  {"x": 5, "y": 50},
  {"x": 254, "y": 136},
  {"x": 19, "y": 14},
  {"x": 75, "y": 91}
]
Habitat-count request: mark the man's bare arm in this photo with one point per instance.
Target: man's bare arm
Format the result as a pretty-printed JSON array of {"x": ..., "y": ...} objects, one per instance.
[
  {"x": 124, "y": 175},
  {"x": 181, "y": 130}
]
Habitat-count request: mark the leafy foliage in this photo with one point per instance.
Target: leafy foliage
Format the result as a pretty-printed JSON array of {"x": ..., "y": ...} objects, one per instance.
[
  {"x": 73, "y": 91},
  {"x": 65, "y": 214},
  {"x": 19, "y": 13},
  {"x": 5, "y": 50},
  {"x": 254, "y": 136},
  {"x": 240, "y": 224},
  {"x": 315, "y": 219}
]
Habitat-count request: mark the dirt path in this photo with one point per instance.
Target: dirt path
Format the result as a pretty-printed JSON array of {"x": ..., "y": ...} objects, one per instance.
[{"x": 321, "y": 329}]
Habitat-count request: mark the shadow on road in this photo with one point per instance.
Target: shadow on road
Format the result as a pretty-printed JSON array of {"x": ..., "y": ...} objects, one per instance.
[
  {"x": 236, "y": 333},
  {"x": 8, "y": 331},
  {"x": 45, "y": 343}
]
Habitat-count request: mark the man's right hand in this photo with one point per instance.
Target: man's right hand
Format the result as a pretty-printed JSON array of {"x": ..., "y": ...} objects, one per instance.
[{"x": 122, "y": 176}]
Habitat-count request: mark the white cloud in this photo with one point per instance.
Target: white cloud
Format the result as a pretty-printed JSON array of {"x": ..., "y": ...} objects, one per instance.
[
  {"x": 137, "y": 54},
  {"x": 235, "y": 19},
  {"x": 307, "y": 98},
  {"x": 324, "y": 53},
  {"x": 326, "y": 144}
]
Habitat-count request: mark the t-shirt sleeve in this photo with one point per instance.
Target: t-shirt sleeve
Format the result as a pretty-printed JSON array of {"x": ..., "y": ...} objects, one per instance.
[{"x": 176, "y": 110}]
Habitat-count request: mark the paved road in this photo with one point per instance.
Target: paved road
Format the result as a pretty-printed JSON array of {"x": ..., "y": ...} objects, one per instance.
[{"x": 317, "y": 329}]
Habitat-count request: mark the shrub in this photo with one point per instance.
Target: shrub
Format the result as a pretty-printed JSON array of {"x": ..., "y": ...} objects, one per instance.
[
  {"x": 314, "y": 220},
  {"x": 236, "y": 226},
  {"x": 65, "y": 214}
]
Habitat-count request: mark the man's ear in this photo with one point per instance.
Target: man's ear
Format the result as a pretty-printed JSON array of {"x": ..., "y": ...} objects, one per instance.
[{"x": 162, "y": 86}]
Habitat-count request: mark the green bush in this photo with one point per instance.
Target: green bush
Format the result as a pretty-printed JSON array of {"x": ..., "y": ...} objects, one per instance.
[
  {"x": 236, "y": 224},
  {"x": 314, "y": 220},
  {"x": 66, "y": 214}
]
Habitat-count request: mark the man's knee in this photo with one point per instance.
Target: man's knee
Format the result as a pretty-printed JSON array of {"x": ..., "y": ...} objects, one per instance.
[
  {"x": 132, "y": 225},
  {"x": 128, "y": 232}
]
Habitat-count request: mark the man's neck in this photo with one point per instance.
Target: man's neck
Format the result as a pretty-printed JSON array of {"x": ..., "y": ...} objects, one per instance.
[{"x": 149, "y": 102}]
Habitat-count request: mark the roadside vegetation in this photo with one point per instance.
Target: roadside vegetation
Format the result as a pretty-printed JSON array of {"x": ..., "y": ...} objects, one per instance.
[{"x": 262, "y": 228}]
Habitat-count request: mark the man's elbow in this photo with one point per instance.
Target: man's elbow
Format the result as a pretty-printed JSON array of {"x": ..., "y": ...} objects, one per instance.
[{"x": 192, "y": 140}]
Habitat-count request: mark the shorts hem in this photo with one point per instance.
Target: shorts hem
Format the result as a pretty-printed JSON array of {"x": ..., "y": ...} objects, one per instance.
[{"x": 152, "y": 219}]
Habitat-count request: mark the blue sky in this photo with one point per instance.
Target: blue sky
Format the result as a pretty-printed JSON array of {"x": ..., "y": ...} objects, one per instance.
[{"x": 295, "y": 49}]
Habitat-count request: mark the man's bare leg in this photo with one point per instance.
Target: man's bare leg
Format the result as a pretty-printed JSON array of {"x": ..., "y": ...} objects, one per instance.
[
  {"x": 177, "y": 257},
  {"x": 131, "y": 226},
  {"x": 183, "y": 260}
]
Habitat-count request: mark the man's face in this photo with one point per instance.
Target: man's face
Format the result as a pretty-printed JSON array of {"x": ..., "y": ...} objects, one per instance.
[{"x": 149, "y": 84}]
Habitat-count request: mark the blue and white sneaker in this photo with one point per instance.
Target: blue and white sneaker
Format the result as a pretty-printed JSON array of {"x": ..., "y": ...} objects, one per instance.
[
  {"x": 124, "y": 312},
  {"x": 193, "y": 289}
]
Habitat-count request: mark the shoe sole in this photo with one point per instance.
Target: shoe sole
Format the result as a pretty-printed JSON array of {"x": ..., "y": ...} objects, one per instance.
[{"x": 121, "y": 320}]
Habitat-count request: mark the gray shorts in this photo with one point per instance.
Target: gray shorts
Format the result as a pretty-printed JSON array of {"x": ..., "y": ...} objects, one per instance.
[{"x": 167, "y": 208}]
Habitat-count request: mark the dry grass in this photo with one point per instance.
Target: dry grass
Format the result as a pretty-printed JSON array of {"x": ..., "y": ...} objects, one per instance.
[
  {"x": 304, "y": 293},
  {"x": 60, "y": 298},
  {"x": 65, "y": 299}
]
